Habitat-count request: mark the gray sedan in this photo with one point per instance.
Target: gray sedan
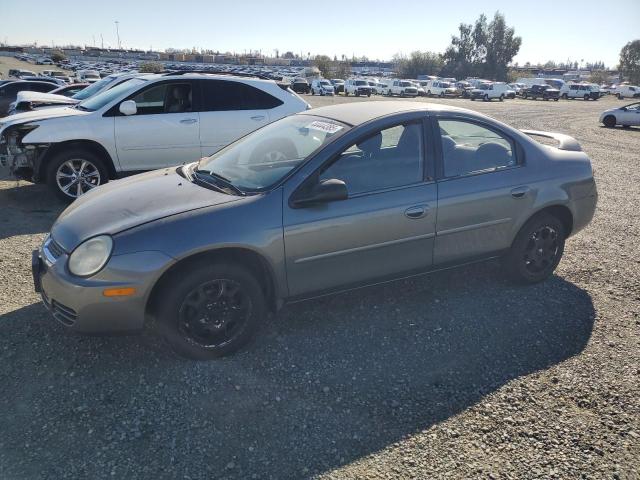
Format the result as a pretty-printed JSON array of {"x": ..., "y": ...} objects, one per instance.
[{"x": 322, "y": 201}]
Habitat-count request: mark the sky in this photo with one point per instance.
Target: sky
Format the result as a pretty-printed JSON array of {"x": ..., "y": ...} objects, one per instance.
[{"x": 587, "y": 30}]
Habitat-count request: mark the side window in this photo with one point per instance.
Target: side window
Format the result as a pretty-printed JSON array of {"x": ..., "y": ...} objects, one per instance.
[
  {"x": 41, "y": 88},
  {"x": 222, "y": 95},
  {"x": 470, "y": 148},
  {"x": 390, "y": 158},
  {"x": 164, "y": 98}
]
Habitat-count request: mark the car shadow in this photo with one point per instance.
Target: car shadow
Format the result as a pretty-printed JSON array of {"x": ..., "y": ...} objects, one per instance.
[
  {"x": 27, "y": 208},
  {"x": 326, "y": 383}
]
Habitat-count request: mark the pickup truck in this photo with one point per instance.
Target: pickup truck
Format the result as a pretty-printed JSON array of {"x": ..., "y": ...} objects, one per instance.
[{"x": 545, "y": 92}]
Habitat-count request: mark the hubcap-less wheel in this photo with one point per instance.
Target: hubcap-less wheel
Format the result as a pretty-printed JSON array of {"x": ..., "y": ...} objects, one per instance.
[
  {"x": 214, "y": 313},
  {"x": 541, "y": 250},
  {"x": 77, "y": 176},
  {"x": 609, "y": 121}
]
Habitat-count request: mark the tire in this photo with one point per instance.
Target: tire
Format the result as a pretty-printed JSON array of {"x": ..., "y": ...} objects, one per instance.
[
  {"x": 473, "y": 99},
  {"x": 65, "y": 167},
  {"x": 536, "y": 250},
  {"x": 346, "y": 94},
  {"x": 501, "y": 98},
  {"x": 313, "y": 92},
  {"x": 485, "y": 98},
  {"x": 609, "y": 121},
  {"x": 620, "y": 97},
  {"x": 242, "y": 309},
  {"x": 565, "y": 96},
  {"x": 524, "y": 96},
  {"x": 555, "y": 99},
  {"x": 441, "y": 94},
  {"x": 429, "y": 93},
  {"x": 586, "y": 98}
]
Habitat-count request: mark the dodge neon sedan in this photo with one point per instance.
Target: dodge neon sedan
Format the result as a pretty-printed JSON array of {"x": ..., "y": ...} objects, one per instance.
[{"x": 321, "y": 201}]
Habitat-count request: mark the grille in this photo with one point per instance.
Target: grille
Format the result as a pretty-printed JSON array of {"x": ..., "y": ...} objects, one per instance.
[
  {"x": 53, "y": 248},
  {"x": 63, "y": 314}
]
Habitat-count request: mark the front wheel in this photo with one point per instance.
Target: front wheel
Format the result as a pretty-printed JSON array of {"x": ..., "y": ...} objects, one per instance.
[
  {"x": 609, "y": 121},
  {"x": 501, "y": 98},
  {"x": 73, "y": 173},
  {"x": 536, "y": 250},
  {"x": 524, "y": 96},
  {"x": 210, "y": 311}
]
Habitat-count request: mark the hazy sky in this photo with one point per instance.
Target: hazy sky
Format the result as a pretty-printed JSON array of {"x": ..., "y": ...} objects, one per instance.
[{"x": 550, "y": 30}]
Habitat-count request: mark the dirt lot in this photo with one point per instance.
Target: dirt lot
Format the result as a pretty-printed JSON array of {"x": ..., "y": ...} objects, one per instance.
[
  {"x": 7, "y": 63},
  {"x": 456, "y": 375}
]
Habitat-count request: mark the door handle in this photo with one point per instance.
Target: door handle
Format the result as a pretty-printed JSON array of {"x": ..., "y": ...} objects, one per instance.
[
  {"x": 188, "y": 121},
  {"x": 257, "y": 117},
  {"x": 519, "y": 192},
  {"x": 418, "y": 211}
]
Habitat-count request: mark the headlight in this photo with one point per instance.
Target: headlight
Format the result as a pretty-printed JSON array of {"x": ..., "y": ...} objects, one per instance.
[{"x": 89, "y": 257}]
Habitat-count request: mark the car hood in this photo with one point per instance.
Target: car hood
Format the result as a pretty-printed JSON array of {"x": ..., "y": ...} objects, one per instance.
[
  {"x": 37, "y": 115},
  {"x": 38, "y": 97},
  {"x": 130, "y": 202}
]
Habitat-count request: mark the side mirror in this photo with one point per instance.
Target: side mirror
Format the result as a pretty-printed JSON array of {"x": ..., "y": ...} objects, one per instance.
[
  {"x": 326, "y": 191},
  {"x": 128, "y": 107}
]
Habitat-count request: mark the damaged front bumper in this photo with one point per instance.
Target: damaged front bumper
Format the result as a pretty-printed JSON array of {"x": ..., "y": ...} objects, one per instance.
[{"x": 22, "y": 160}]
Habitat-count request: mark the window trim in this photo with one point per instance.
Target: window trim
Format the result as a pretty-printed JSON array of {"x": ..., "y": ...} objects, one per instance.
[
  {"x": 201, "y": 92},
  {"x": 114, "y": 111},
  {"x": 439, "y": 158},
  {"x": 428, "y": 176}
]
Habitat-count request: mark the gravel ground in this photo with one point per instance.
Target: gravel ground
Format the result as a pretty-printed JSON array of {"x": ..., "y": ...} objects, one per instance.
[{"x": 455, "y": 375}]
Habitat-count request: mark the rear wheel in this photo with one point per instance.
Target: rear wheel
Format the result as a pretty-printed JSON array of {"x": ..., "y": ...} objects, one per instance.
[
  {"x": 537, "y": 249},
  {"x": 486, "y": 97},
  {"x": 524, "y": 95},
  {"x": 501, "y": 98},
  {"x": 211, "y": 311},
  {"x": 609, "y": 121},
  {"x": 619, "y": 95},
  {"x": 565, "y": 96},
  {"x": 74, "y": 172}
]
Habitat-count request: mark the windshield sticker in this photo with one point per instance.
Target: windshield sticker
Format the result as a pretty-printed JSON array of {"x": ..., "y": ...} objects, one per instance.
[{"x": 325, "y": 127}]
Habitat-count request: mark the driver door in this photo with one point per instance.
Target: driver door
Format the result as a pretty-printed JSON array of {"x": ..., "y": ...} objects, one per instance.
[
  {"x": 386, "y": 226},
  {"x": 164, "y": 131}
]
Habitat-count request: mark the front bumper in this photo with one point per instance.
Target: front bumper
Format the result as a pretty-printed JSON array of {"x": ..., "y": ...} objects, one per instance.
[{"x": 79, "y": 303}]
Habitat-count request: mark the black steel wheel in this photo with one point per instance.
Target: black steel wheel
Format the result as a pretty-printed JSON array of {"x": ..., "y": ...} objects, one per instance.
[
  {"x": 609, "y": 121},
  {"x": 211, "y": 311},
  {"x": 537, "y": 249}
]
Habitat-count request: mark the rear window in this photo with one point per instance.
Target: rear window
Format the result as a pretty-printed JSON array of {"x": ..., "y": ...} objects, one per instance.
[{"x": 223, "y": 95}]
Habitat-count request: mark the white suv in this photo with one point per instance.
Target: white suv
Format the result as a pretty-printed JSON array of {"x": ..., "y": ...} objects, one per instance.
[
  {"x": 321, "y": 86},
  {"x": 144, "y": 123}
]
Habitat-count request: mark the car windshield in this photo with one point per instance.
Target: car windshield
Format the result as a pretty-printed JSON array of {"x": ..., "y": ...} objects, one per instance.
[
  {"x": 94, "y": 88},
  {"x": 265, "y": 156},
  {"x": 101, "y": 99},
  {"x": 484, "y": 86},
  {"x": 325, "y": 82},
  {"x": 361, "y": 82},
  {"x": 445, "y": 84},
  {"x": 406, "y": 84}
]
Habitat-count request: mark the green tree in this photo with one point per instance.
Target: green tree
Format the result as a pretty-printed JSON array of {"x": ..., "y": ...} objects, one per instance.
[
  {"x": 58, "y": 56},
  {"x": 151, "y": 67},
  {"x": 485, "y": 49},
  {"x": 630, "y": 62},
  {"x": 418, "y": 63},
  {"x": 324, "y": 64}
]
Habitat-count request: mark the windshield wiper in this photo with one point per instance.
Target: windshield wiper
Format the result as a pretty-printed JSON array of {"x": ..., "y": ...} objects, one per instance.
[{"x": 220, "y": 179}]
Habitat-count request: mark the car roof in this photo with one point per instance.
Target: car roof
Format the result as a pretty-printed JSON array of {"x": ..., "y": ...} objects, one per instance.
[{"x": 358, "y": 113}]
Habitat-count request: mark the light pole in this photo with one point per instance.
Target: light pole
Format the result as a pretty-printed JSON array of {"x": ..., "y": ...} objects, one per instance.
[{"x": 118, "y": 33}]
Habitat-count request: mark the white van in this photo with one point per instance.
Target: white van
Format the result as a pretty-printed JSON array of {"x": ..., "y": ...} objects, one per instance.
[
  {"x": 322, "y": 86},
  {"x": 440, "y": 88},
  {"x": 489, "y": 91},
  {"x": 627, "y": 91},
  {"x": 357, "y": 87},
  {"x": 579, "y": 90},
  {"x": 87, "y": 76},
  {"x": 402, "y": 88}
]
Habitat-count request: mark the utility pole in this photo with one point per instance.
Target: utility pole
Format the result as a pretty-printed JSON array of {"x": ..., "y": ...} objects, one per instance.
[
  {"x": 101, "y": 42},
  {"x": 118, "y": 33}
]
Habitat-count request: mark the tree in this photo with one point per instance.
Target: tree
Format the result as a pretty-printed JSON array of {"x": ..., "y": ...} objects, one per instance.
[
  {"x": 288, "y": 55},
  {"x": 484, "y": 49},
  {"x": 599, "y": 77},
  {"x": 151, "y": 67},
  {"x": 630, "y": 62},
  {"x": 324, "y": 64},
  {"x": 58, "y": 56},
  {"x": 342, "y": 70},
  {"x": 418, "y": 63}
]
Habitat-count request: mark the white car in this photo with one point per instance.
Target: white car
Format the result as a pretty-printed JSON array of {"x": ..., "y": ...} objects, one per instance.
[
  {"x": 322, "y": 86},
  {"x": 627, "y": 91},
  {"x": 145, "y": 123},
  {"x": 489, "y": 91},
  {"x": 626, "y": 116},
  {"x": 87, "y": 76},
  {"x": 579, "y": 90},
  {"x": 402, "y": 88},
  {"x": 440, "y": 88}
]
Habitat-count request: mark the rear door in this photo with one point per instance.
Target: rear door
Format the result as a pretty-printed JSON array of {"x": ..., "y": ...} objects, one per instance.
[
  {"x": 163, "y": 132},
  {"x": 481, "y": 196},
  {"x": 229, "y": 110}
]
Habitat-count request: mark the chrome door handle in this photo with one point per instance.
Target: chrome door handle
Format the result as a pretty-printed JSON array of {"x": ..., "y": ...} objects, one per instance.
[
  {"x": 418, "y": 211},
  {"x": 188, "y": 121},
  {"x": 519, "y": 192},
  {"x": 257, "y": 117}
]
